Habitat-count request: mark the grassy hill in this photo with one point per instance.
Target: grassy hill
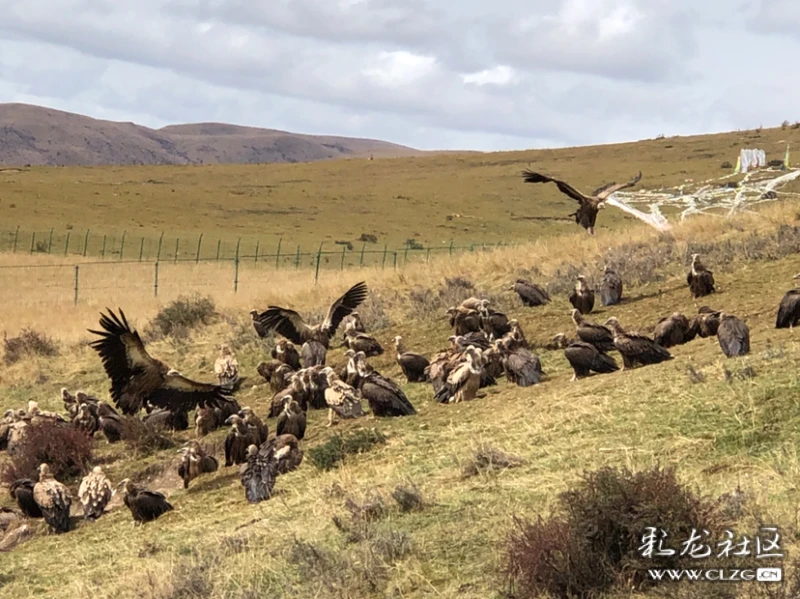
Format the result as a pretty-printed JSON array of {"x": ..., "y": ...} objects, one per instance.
[
  {"x": 45, "y": 136},
  {"x": 736, "y": 424}
]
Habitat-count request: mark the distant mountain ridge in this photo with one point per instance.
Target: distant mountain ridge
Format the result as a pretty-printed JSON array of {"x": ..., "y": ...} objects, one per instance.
[{"x": 38, "y": 135}]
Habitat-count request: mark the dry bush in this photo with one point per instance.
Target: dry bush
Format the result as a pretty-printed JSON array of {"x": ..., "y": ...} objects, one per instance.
[
  {"x": 424, "y": 303},
  {"x": 28, "y": 343},
  {"x": 143, "y": 439},
  {"x": 179, "y": 316},
  {"x": 67, "y": 450},
  {"x": 328, "y": 455},
  {"x": 409, "y": 498},
  {"x": 591, "y": 543},
  {"x": 373, "y": 312},
  {"x": 488, "y": 459}
]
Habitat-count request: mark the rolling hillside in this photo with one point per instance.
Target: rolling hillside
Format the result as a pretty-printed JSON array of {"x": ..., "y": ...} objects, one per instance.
[{"x": 43, "y": 136}]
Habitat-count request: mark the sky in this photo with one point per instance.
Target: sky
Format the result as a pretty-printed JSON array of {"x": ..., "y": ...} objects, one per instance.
[{"x": 430, "y": 74}]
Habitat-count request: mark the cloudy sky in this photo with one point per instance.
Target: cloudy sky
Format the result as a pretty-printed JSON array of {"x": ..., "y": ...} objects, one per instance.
[{"x": 432, "y": 74}]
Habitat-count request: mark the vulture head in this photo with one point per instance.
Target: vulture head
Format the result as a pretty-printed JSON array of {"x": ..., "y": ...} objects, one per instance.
[
  {"x": 127, "y": 485},
  {"x": 67, "y": 396},
  {"x": 252, "y": 450},
  {"x": 330, "y": 375},
  {"x": 44, "y": 472},
  {"x": 33, "y": 408},
  {"x": 797, "y": 276},
  {"x": 225, "y": 350},
  {"x": 614, "y": 325},
  {"x": 577, "y": 317}
]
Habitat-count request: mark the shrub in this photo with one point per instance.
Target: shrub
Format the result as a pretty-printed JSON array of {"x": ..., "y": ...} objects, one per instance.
[
  {"x": 143, "y": 439},
  {"x": 368, "y": 238},
  {"x": 408, "y": 498},
  {"x": 413, "y": 244},
  {"x": 784, "y": 124},
  {"x": 592, "y": 542},
  {"x": 182, "y": 314},
  {"x": 487, "y": 459},
  {"x": 347, "y": 244},
  {"x": 67, "y": 450},
  {"x": 726, "y": 164},
  {"x": 329, "y": 454},
  {"x": 28, "y": 343}
]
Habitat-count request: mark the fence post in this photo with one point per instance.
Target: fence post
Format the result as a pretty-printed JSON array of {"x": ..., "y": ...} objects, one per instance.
[
  {"x": 155, "y": 280},
  {"x": 258, "y": 242},
  {"x": 76, "y": 285},
  {"x": 66, "y": 244},
  {"x": 451, "y": 247},
  {"x": 50, "y": 241},
  {"x": 33, "y": 239},
  {"x": 385, "y": 249},
  {"x": 16, "y": 236},
  {"x": 122, "y": 244},
  {"x": 85, "y": 242},
  {"x": 344, "y": 248},
  {"x": 316, "y": 272},
  {"x": 158, "y": 253},
  {"x": 177, "y": 247},
  {"x": 297, "y": 259},
  {"x": 218, "y": 242},
  {"x": 428, "y": 257},
  {"x": 236, "y": 274},
  {"x": 278, "y": 254},
  {"x": 141, "y": 249},
  {"x": 405, "y": 256},
  {"x": 103, "y": 251},
  {"x": 395, "y": 259},
  {"x": 238, "y": 243},
  {"x": 361, "y": 263},
  {"x": 197, "y": 255},
  {"x": 472, "y": 248}
]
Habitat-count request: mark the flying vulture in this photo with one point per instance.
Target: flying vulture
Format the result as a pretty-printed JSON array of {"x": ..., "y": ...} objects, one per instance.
[
  {"x": 585, "y": 358},
  {"x": 582, "y": 297},
  {"x": 636, "y": 349},
  {"x": 675, "y": 329},
  {"x": 610, "y": 287},
  {"x": 385, "y": 398},
  {"x": 733, "y": 335},
  {"x": 341, "y": 398},
  {"x": 464, "y": 381},
  {"x": 586, "y": 214},
  {"x": 137, "y": 378},
  {"x": 412, "y": 364},
  {"x": 145, "y": 505},
  {"x": 292, "y": 420},
  {"x": 194, "y": 462},
  {"x": 226, "y": 367},
  {"x": 94, "y": 493},
  {"x": 598, "y": 335},
  {"x": 258, "y": 473},
  {"x": 54, "y": 499},
  {"x": 789, "y": 309},
  {"x": 699, "y": 279},
  {"x": 531, "y": 294}
]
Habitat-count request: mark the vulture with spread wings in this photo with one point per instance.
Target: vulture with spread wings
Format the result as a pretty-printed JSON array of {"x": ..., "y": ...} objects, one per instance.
[
  {"x": 138, "y": 378},
  {"x": 590, "y": 205},
  {"x": 292, "y": 326}
]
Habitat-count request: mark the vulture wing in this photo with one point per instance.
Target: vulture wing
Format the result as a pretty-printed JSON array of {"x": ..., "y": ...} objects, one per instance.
[
  {"x": 344, "y": 306},
  {"x": 605, "y": 191},
  {"x": 179, "y": 394},
  {"x": 530, "y": 177},
  {"x": 287, "y": 323}
]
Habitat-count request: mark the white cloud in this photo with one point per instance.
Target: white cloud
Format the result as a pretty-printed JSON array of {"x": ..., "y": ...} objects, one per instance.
[{"x": 497, "y": 75}]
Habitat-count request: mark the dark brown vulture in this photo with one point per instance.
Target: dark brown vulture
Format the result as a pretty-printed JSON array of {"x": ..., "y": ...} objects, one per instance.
[
  {"x": 789, "y": 309},
  {"x": 342, "y": 399},
  {"x": 160, "y": 418},
  {"x": 259, "y": 472},
  {"x": 145, "y": 505},
  {"x": 194, "y": 462},
  {"x": 706, "y": 322},
  {"x": 733, "y": 335},
  {"x": 464, "y": 320},
  {"x": 109, "y": 422},
  {"x": 291, "y": 325},
  {"x": 582, "y": 297},
  {"x": 85, "y": 421},
  {"x": 54, "y": 499},
  {"x": 260, "y": 330},
  {"x": 586, "y": 214},
  {"x": 21, "y": 491},
  {"x": 205, "y": 421},
  {"x": 596, "y": 334},
  {"x": 292, "y": 420},
  {"x": 585, "y": 358},
  {"x": 700, "y": 279},
  {"x": 495, "y": 324},
  {"x": 285, "y": 352},
  {"x": 412, "y": 364},
  {"x": 313, "y": 353},
  {"x": 255, "y": 423},
  {"x": 517, "y": 334},
  {"x": 137, "y": 378},
  {"x": 361, "y": 342},
  {"x": 463, "y": 381},
  {"x": 385, "y": 398},
  {"x": 357, "y": 323},
  {"x": 237, "y": 440},
  {"x": 520, "y": 366},
  {"x": 636, "y": 349},
  {"x": 531, "y": 294},
  {"x": 94, "y": 493},
  {"x": 675, "y": 329},
  {"x": 610, "y": 287}
]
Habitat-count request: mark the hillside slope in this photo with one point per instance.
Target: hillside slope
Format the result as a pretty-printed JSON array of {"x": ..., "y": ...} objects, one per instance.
[{"x": 44, "y": 136}]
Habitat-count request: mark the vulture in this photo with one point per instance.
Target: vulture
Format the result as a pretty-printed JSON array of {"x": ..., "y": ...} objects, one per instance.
[
  {"x": 205, "y": 421},
  {"x": 707, "y": 322},
  {"x": 53, "y": 499},
  {"x": 109, "y": 422},
  {"x": 313, "y": 353},
  {"x": 675, "y": 329},
  {"x": 194, "y": 462},
  {"x": 516, "y": 333},
  {"x": 361, "y": 342},
  {"x": 170, "y": 420},
  {"x": 559, "y": 341},
  {"x": 85, "y": 421},
  {"x": 226, "y": 367},
  {"x": 21, "y": 491},
  {"x": 585, "y": 357},
  {"x": 255, "y": 423},
  {"x": 472, "y": 303},
  {"x": 145, "y": 505},
  {"x": 385, "y": 398},
  {"x": 292, "y": 420},
  {"x": 239, "y": 438},
  {"x": 341, "y": 398},
  {"x": 521, "y": 367},
  {"x": 789, "y": 309},
  {"x": 463, "y": 381},
  {"x": 357, "y": 323},
  {"x": 494, "y": 324},
  {"x": 700, "y": 279},
  {"x": 260, "y": 330},
  {"x": 412, "y": 364},
  {"x": 287, "y": 452},
  {"x": 464, "y": 320},
  {"x": 582, "y": 297},
  {"x": 610, "y": 287},
  {"x": 636, "y": 349},
  {"x": 296, "y": 390},
  {"x": 258, "y": 473},
  {"x": 291, "y": 325},
  {"x": 137, "y": 378},
  {"x": 596, "y": 334},
  {"x": 733, "y": 335},
  {"x": 586, "y": 214},
  {"x": 94, "y": 493},
  {"x": 276, "y": 373},
  {"x": 531, "y": 294},
  {"x": 285, "y": 352}
]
